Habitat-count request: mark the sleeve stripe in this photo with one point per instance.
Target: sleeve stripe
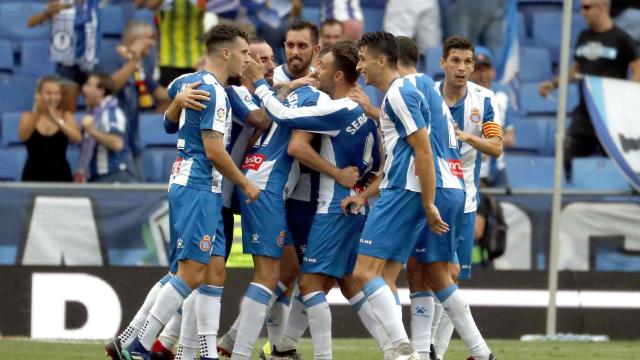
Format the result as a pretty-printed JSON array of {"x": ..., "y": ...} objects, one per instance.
[
  {"x": 280, "y": 111},
  {"x": 402, "y": 112}
]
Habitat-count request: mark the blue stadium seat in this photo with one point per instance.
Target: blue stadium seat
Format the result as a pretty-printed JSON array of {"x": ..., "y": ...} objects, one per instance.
[
  {"x": 529, "y": 171},
  {"x": 152, "y": 132},
  {"x": 535, "y": 64},
  {"x": 6, "y": 56},
  {"x": 10, "y": 123},
  {"x": 12, "y": 160},
  {"x": 17, "y": 92},
  {"x": 432, "y": 62},
  {"x": 531, "y": 135},
  {"x": 532, "y": 103},
  {"x": 13, "y": 21},
  {"x": 373, "y": 18},
  {"x": 156, "y": 163},
  {"x": 35, "y": 58},
  {"x": 145, "y": 15},
  {"x": 311, "y": 14},
  {"x": 108, "y": 56},
  {"x": 547, "y": 30},
  {"x": 597, "y": 173},
  {"x": 112, "y": 21}
]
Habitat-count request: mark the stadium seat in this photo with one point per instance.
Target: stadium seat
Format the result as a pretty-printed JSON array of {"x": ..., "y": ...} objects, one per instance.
[
  {"x": 531, "y": 135},
  {"x": 597, "y": 173},
  {"x": 156, "y": 163},
  {"x": 532, "y": 103},
  {"x": 10, "y": 123},
  {"x": 13, "y": 21},
  {"x": 112, "y": 21},
  {"x": 373, "y": 18},
  {"x": 152, "y": 132},
  {"x": 12, "y": 160},
  {"x": 547, "y": 30},
  {"x": 529, "y": 171},
  {"x": 108, "y": 56},
  {"x": 35, "y": 58},
  {"x": 311, "y": 14},
  {"x": 6, "y": 56},
  {"x": 17, "y": 92},
  {"x": 432, "y": 62},
  {"x": 145, "y": 15},
  {"x": 535, "y": 64},
  {"x": 523, "y": 36}
]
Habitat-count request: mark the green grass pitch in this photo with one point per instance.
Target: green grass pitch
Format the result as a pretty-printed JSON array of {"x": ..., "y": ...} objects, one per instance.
[{"x": 351, "y": 349}]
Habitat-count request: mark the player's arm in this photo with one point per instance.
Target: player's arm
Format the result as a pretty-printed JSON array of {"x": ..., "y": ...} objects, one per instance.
[
  {"x": 284, "y": 89},
  {"x": 301, "y": 149},
  {"x": 490, "y": 142},
  {"x": 245, "y": 109},
  {"x": 214, "y": 148},
  {"x": 358, "y": 95},
  {"x": 634, "y": 66},
  {"x": 188, "y": 98}
]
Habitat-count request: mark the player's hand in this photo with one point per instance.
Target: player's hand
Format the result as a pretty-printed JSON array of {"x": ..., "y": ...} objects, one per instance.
[
  {"x": 460, "y": 135},
  {"x": 434, "y": 220},
  {"x": 38, "y": 105},
  {"x": 358, "y": 95},
  {"x": 251, "y": 190},
  {"x": 254, "y": 70},
  {"x": 348, "y": 176},
  {"x": 545, "y": 88},
  {"x": 310, "y": 79},
  {"x": 190, "y": 97},
  {"x": 352, "y": 204}
]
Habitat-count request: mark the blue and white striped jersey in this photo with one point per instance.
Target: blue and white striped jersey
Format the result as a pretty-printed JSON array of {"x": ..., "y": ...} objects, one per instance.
[
  {"x": 267, "y": 163},
  {"x": 112, "y": 121},
  {"x": 281, "y": 75},
  {"x": 192, "y": 168},
  {"x": 349, "y": 138},
  {"x": 446, "y": 155},
  {"x": 242, "y": 104},
  {"x": 402, "y": 113},
  {"x": 471, "y": 114}
]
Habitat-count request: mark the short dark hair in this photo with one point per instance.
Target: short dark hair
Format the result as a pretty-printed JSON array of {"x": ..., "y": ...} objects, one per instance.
[
  {"x": 299, "y": 25},
  {"x": 383, "y": 43},
  {"x": 407, "y": 51},
  {"x": 329, "y": 22},
  {"x": 256, "y": 40},
  {"x": 456, "y": 42},
  {"x": 221, "y": 34},
  {"x": 345, "y": 59},
  {"x": 105, "y": 82}
]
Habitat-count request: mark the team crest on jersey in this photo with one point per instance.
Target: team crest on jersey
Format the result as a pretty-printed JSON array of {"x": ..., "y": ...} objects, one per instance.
[
  {"x": 247, "y": 98},
  {"x": 456, "y": 168},
  {"x": 475, "y": 116},
  {"x": 205, "y": 243},
  {"x": 280, "y": 239}
]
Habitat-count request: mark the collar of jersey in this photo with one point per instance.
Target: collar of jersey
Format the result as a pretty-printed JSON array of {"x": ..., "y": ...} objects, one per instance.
[{"x": 461, "y": 101}]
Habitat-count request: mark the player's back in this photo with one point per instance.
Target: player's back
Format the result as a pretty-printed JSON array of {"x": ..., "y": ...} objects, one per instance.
[
  {"x": 356, "y": 144},
  {"x": 267, "y": 163},
  {"x": 192, "y": 167},
  {"x": 444, "y": 145}
]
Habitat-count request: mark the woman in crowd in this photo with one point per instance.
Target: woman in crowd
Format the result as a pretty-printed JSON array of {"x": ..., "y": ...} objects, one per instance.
[{"x": 47, "y": 130}]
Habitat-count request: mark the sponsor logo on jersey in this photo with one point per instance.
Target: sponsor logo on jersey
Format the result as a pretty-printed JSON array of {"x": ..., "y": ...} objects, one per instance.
[
  {"x": 177, "y": 165},
  {"x": 248, "y": 99},
  {"x": 205, "y": 243},
  {"x": 456, "y": 168},
  {"x": 180, "y": 244},
  {"x": 280, "y": 239},
  {"x": 255, "y": 238},
  {"x": 475, "y": 116},
  {"x": 253, "y": 161},
  {"x": 367, "y": 242},
  {"x": 220, "y": 113}
]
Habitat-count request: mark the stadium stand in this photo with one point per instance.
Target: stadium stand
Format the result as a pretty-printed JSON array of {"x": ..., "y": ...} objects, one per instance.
[
  {"x": 34, "y": 57},
  {"x": 6, "y": 56},
  {"x": 13, "y": 21},
  {"x": 12, "y": 160},
  {"x": 597, "y": 173}
]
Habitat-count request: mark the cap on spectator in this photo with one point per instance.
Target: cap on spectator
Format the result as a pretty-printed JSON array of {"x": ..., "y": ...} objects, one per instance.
[{"x": 483, "y": 56}]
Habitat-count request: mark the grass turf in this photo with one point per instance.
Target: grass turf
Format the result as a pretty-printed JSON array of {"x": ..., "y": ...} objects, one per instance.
[{"x": 350, "y": 349}]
